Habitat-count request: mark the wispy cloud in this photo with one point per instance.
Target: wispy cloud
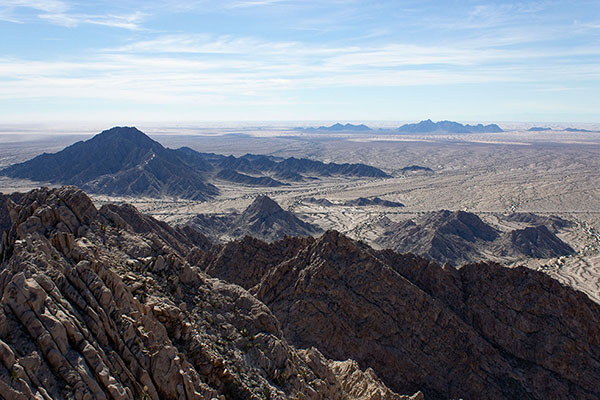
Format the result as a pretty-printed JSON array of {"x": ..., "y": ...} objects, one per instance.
[
  {"x": 254, "y": 3},
  {"x": 49, "y": 6},
  {"x": 61, "y": 13},
  {"x": 204, "y": 69},
  {"x": 131, "y": 21}
]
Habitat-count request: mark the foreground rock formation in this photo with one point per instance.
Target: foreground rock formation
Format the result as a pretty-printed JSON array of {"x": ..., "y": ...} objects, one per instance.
[
  {"x": 112, "y": 304},
  {"x": 483, "y": 331},
  {"x": 101, "y": 304}
]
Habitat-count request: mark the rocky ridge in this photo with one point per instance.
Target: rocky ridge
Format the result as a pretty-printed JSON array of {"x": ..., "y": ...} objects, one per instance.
[
  {"x": 482, "y": 331},
  {"x": 102, "y": 304},
  {"x": 123, "y": 161}
]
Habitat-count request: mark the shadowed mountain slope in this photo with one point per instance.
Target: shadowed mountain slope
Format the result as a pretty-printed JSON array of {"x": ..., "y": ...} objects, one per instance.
[
  {"x": 119, "y": 161},
  {"x": 483, "y": 331},
  {"x": 443, "y": 236}
]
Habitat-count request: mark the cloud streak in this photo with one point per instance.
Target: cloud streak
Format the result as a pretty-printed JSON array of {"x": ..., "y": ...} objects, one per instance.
[{"x": 61, "y": 13}]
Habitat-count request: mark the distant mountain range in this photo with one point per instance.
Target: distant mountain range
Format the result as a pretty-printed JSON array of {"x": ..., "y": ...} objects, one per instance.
[
  {"x": 578, "y": 130},
  {"x": 428, "y": 126},
  {"x": 460, "y": 237},
  {"x": 123, "y": 161},
  {"x": 263, "y": 219},
  {"x": 543, "y": 129},
  {"x": 337, "y": 128}
]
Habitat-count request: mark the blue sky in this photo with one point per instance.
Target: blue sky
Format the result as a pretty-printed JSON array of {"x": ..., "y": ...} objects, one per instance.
[{"x": 276, "y": 60}]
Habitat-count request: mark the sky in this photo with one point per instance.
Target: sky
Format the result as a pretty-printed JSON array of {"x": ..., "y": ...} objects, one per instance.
[{"x": 129, "y": 62}]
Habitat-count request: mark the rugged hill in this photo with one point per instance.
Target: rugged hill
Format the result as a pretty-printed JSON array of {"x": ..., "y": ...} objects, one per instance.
[
  {"x": 443, "y": 236},
  {"x": 374, "y": 201},
  {"x": 358, "y": 202},
  {"x": 415, "y": 168},
  {"x": 534, "y": 241},
  {"x": 428, "y": 126},
  {"x": 101, "y": 304},
  {"x": 460, "y": 237},
  {"x": 123, "y": 161},
  {"x": 263, "y": 219},
  {"x": 483, "y": 331},
  {"x": 112, "y": 304}
]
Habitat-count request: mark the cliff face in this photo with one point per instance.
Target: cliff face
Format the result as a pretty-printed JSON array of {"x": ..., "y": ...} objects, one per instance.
[
  {"x": 101, "y": 304},
  {"x": 483, "y": 331}
]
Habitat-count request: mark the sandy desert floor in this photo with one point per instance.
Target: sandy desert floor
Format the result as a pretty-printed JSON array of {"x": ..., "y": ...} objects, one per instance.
[{"x": 493, "y": 174}]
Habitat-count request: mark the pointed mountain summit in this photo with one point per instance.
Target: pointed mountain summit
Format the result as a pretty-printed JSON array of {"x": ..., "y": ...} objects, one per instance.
[
  {"x": 263, "y": 219},
  {"x": 121, "y": 161}
]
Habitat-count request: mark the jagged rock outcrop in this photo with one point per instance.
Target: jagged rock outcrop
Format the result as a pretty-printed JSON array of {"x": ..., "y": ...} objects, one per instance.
[
  {"x": 101, "y": 304},
  {"x": 482, "y": 331},
  {"x": 263, "y": 219}
]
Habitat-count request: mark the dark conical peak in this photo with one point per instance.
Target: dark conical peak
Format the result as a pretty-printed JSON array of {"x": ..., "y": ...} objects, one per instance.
[
  {"x": 263, "y": 205},
  {"x": 126, "y": 134}
]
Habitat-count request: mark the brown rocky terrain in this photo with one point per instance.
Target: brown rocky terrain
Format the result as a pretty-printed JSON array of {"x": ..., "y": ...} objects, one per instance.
[
  {"x": 101, "y": 304},
  {"x": 111, "y": 304},
  {"x": 482, "y": 331}
]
